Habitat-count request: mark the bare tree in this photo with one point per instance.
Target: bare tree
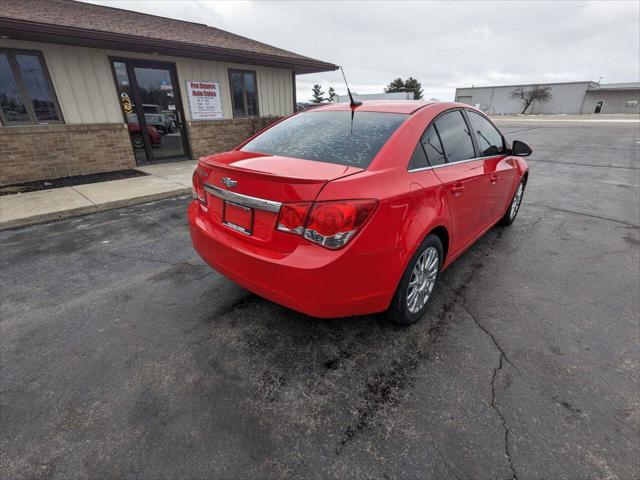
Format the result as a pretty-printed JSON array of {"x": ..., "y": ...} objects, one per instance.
[{"x": 529, "y": 95}]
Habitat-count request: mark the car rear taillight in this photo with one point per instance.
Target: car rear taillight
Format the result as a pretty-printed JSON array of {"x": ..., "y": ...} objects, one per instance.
[
  {"x": 292, "y": 217},
  {"x": 330, "y": 224},
  {"x": 198, "y": 186}
]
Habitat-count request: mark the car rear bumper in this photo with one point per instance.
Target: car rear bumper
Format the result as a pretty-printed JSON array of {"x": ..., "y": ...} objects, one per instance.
[{"x": 312, "y": 280}]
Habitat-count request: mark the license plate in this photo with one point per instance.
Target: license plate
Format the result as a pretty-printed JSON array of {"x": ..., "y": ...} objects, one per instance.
[{"x": 238, "y": 217}]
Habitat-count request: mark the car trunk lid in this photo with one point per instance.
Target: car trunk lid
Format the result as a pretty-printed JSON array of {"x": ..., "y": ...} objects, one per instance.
[{"x": 245, "y": 189}]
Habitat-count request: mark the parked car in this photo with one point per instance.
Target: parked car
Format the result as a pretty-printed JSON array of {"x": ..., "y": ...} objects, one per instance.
[
  {"x": 136, "y": 135},
  {"x": 302, "y": 106},
  {"x": 342, "y": 211},
  {"x": 154, "y": 116}
]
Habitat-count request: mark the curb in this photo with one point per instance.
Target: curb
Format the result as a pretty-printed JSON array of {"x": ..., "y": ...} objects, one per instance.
[{"x": 76, "y": 212}]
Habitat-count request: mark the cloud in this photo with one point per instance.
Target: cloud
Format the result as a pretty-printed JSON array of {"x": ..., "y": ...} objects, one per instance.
[{"x": 443, "y": 44}]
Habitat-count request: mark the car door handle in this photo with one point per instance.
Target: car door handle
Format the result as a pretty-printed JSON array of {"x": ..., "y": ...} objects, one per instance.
[
  {"x": 493, "y": 179},
  {"x": 457, "y": 189}
]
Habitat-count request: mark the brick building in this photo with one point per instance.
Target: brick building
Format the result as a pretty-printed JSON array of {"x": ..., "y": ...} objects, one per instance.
[{"x": 87, "y": 89}]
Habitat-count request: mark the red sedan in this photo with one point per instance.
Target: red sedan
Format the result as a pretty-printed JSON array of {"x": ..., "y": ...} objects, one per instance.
[{"x": 346, "y": 210}]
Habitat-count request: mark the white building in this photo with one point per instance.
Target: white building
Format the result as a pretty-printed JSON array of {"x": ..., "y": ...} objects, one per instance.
[
  {"x": 376, "y": 96},
  {"x": 567, "y": 98}
]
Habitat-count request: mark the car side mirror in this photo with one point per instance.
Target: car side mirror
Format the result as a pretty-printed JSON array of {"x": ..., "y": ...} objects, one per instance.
[{"x": 521, "y": 149}]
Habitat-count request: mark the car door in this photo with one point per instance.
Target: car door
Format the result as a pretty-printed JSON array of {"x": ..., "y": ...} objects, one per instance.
[
  {"x": 499, "y": 169},
  {"x": 462, "y": 174}
]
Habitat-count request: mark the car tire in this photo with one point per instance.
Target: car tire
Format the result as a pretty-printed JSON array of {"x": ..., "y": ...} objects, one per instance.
[
  {"x": 136, "y": 140},
  {"x": 417, "y": 281},
  {"x": 514, "y": 206}
]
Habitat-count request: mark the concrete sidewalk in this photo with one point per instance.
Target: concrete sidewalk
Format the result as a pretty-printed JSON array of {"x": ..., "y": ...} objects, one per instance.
[{"x": 163, "y": 181}]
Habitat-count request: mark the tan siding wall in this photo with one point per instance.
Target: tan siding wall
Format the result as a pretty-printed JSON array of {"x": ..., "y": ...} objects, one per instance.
[
  {"x": 82, "y": 81},
  {"x": 86, "y": 90}
]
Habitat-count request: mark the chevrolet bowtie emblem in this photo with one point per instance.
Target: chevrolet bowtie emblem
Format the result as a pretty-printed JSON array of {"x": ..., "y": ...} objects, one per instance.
[{"x": 229, "y": 182}]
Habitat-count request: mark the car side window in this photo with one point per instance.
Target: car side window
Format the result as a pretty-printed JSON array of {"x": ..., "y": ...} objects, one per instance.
[
  {"x": 455, "y": 137},
  {"x": 428, "y": 151},
  {"x": 432, "y": 146},
  {"x": 489, "y": 139},
  {"x": 418, "y": 159}
]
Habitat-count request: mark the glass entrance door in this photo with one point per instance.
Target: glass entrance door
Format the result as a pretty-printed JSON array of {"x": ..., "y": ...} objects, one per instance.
[{"x": 151, "y": 105}]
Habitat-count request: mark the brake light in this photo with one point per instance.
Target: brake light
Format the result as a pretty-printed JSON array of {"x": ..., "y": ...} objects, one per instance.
[
  {"x": 330, "y": 224},
  {"x": 198, "y": 186},
  {"x": 292, "y": 217}
]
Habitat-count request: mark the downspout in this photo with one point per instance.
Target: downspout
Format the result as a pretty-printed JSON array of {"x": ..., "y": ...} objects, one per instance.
[{"x": 293, "y": 89}]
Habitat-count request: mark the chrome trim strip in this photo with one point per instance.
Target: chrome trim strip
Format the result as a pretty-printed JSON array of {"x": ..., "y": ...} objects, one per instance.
[
  {"x": 422, "y": 169},
  {"x": 244, "y": 200}
]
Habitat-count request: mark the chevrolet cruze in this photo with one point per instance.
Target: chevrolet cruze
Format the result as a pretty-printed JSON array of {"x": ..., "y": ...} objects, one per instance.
[{"x": 346, "y": 210}]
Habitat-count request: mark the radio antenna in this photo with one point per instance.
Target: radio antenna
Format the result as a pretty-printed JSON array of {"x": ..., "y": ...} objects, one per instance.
[{"x": 352, "y": 102}]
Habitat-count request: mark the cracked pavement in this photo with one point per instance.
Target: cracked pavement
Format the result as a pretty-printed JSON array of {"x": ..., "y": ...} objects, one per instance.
[{"x": 123, "y": 356}]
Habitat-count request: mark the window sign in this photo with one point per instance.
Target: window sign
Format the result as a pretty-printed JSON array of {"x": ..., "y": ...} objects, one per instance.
[
  {"x": 204, "y": 100},
  {"x": 126, "y": 102}
]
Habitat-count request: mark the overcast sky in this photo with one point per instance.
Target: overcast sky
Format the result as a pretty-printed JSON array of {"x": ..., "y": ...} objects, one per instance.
[{"x": 443, "y": 44}]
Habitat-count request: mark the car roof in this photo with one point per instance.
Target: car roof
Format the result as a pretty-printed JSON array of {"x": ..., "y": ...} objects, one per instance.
[{"x": 406, "y": 107}]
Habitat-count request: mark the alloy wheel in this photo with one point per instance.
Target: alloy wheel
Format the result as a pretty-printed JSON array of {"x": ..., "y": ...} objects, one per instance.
[
  {"x": 515, "y": 204},
  {"x": 423, "y": 279}
]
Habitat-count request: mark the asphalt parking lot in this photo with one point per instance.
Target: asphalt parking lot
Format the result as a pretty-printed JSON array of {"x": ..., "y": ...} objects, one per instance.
[{"x": 123, "y": 356}]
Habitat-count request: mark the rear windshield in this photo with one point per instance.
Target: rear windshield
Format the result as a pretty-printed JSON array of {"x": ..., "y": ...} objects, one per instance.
[{"x": 329, "y": 136}]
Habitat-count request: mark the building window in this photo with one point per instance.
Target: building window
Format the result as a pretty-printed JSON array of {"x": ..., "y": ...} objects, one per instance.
[
  {"x": 26, "y": 93},
  {"x": 244, "y": 93},
  {"x": 631, "y": 103}
]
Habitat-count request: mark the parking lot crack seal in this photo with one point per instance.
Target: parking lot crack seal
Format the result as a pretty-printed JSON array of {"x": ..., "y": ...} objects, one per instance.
[
  {"x": 461, "y": 300},
  {"x": 507, "y": 450},
  {"x": 501, "y": 360},
  {"x": 491, "y": 336}
]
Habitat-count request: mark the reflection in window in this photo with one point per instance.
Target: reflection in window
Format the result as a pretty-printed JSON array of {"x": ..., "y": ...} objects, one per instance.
[
  {"x": 418, "y": 159},
  {"x": 13, "y": 108},
  {"x": 455, "y": 136},
  {"x": 433, "y": 147},
  {"x": 489, "y": 139},
  {"x": 26, "y": 95},
  {"x": 428, "y": 152},
  {"x": 244, "y": 93}
]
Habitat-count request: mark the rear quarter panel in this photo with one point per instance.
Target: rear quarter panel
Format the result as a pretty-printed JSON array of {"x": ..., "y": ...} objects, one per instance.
[{"x": 410, "y": 204}]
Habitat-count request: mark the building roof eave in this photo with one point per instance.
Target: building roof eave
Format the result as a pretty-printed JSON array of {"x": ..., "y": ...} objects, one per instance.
[{"x": 49, "y": 33}]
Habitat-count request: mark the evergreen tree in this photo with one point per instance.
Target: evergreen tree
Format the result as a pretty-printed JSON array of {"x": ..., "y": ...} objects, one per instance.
[
  {"x": 317, "y": 95},
  {"x": 413, "y": 85},
  {"x": 396, "y": 85},
  {"x": 408, "y": 85},
  {"x": 332, "y": 94}
]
